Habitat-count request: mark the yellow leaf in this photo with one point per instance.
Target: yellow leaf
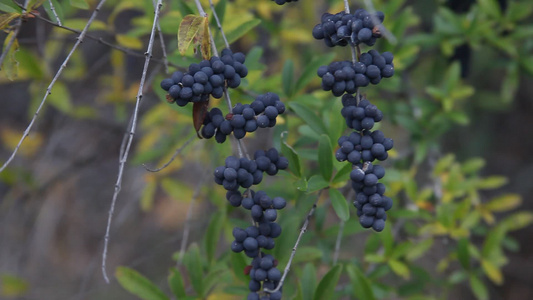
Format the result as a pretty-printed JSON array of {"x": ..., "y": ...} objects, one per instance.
[
  {"x": 129, "y": 42},
  {"x": 205, "y": 45},
  {"x": 33, "y": 142},
  {"x": 504, "y": 203},
  {"x": 5, "y": 19},
  {"x": 189, "y": 28},
  {"x": 10, "y": 63},
  {"x": 487, "y": 216},
  {"x": 493, "y": 272}
]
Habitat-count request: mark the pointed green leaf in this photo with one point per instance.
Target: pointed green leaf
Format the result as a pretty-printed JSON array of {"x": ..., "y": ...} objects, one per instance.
[
  {"x": 239, "y": 263},
  {"x": 193, "y": 264},
  {"x": 309, "y": 71},
  {"x": 518, "y": 221},
  {"x": 79, "y": 4},
  {"x": 10, "y": 65},
  {"x": 308, "y": 282},
  {"x": 478, "y": 288},
  {"x": 241, "y": 30},
  {"x": 490, "y": 7},
  {"x": 327, "y": 285},
  {"x": 175, "y": 282},
  {"x": 343, "y": 174},
  {"x": 325, "y": 157},
  {"x": 419, "y": 249},
  {"x": 361, "y": 286},
  {"x": 287, "y": 77},
  {"x": 212, "y": 235},
  {"x": 339, "y": 204},
  {"x": 462, "y": 253},
  {"x": 309, "y": 117},
  {"x": 504, "y": 203},
  {"x": 492, "y": 182},
  {"x": 493, "y": 272},
  {"x": 137, "y": 284},
  {"x": 316, "y": 183},
  {"x": 294, "y": 160},
  {"x": 399, "y": 268}
]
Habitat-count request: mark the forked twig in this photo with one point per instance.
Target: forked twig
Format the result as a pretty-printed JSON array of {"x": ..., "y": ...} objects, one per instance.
[
  {"x": 49, "y": 89},
  {"x": 176, "y": 153},
  {"x": 124, "y": 158}
]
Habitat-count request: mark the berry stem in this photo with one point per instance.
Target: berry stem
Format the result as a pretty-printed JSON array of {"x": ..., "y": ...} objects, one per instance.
[
  {"x": 302, "y": 231},
  {"x": 213, "y": 11}
]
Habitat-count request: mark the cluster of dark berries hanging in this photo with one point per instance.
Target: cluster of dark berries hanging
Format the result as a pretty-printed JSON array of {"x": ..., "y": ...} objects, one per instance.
[
  {"x": 343, "y": 28},
  {"x": 370, "y": 201},
  {"x": 209, "y": 77},
  {"x": 281, "y": 2},
  {"x": 261, "y": 113},
  {"x": 244, "y": 173},
  {"x": 346, "y": 77}
]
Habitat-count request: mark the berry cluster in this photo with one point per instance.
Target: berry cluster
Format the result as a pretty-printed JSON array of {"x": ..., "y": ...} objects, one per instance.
[
  {"x": 361, "y": 148},
  {"x": 261, "y": 113},
  {"x": 343, "y": 28},
  {"x": 346, "y": 77},
  {"x": 281, "y": 2},
  {"x": 371, "y": 203},
  {"x": 244, "y": 173},
  {"x": 209, "y": 77}
]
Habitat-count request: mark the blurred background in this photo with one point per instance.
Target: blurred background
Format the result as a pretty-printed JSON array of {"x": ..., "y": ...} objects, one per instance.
[{"x": 463, "y": 86}]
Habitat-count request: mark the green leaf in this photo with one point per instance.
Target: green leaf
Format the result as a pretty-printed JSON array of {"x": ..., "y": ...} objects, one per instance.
[
  {"x": 361, "y": 286},
  {"x": 518, "y": 221},
  {"x": 308, "y": 253},
  {"x": 462, "y": 253},
  {"x": 510, "y": 83},
  {"x": 472, "y": 165},
  {"x": 308, "y": 281},
  {"x": 399, "y": 268},
  {"x": 339, "y": 204},
  {"x": 325, "y": 157},
  {"x": 316, "y": 183},
  {"x": 294, "y": 160},
  {"x": 5, "y": 19},
  {"x": 419, "y": 249},
  {"x": 220, "y": 9},
  {"x": 12, "y": 286},
  {"x": 478, "y": 288},
  {"x": 493, "y": 272},
  {"x": 492, "y": 182},
  {"x": 527, "y": 64},
  {"x": 60, "y": 98},
  {"x": 79, "y": 4},
  {"x": 309, "y": 71},
  {"x": 287, "y": 78},
  {"x": 175, "y": 282},
  {"x": 212, "y": 235},
  {"x": 137, "y": 284},
  {"x": 238, "y": 263},
  {"x": 343, "y": 174},
  {"x": 241, "y": 30},
  {"x": 504, "y": 203},
  {"x": 10, "y": 64},
  {"x": 309, "y": 117},
  {"x": 327, "y": 285},
  {"x": 129, "y": 41},
  {"x": 193, "y": 264},
  {"x": 9, "y": 7},
  {"x": 490, "y": 7}
]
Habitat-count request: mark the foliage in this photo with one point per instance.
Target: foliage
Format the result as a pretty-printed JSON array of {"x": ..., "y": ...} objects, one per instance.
[{"x": 443, "y": 230}]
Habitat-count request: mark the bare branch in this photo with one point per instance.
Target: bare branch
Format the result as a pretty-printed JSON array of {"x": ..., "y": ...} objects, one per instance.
[
  {"x": 302, "y": 231},
  {"x": 53, "y": 9},
  {"x": 213, "y": 11},
  {"x": 49, "y": 89},
  {"x": 124, "y": 158},
  {"x": 176, "y": 153}
]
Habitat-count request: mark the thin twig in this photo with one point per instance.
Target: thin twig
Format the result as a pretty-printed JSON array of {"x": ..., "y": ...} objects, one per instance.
[
  {"x": 187, "y": 225},
  {"x": 176, "y": 153},
  {"x": 338, "y": 243},
  {"x": 101, "y": 40},
  {"x": 213, "y": 11},
  {"x": 302, "y": 231},
  {"x": 53, "y": 9},
  {"x": 124, "y": 158},
  {"x": 49, "y": 89},
  {"x": 16, "y": 29},
  {"x": 163, "y": 48}
]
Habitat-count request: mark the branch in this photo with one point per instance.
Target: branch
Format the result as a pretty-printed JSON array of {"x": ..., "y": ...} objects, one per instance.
[
  {"x": 124, "y": 158},
  {"x": 48, "y": 90},
  {"x": 101, "y": 41},
  {"x": 16, "y": 29},
  {"x": 53, "y": 9},
  {"x": 214, "y": 12},
  {"x": 176, "y": 153},
  {"x": 302, "y": 231}
]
